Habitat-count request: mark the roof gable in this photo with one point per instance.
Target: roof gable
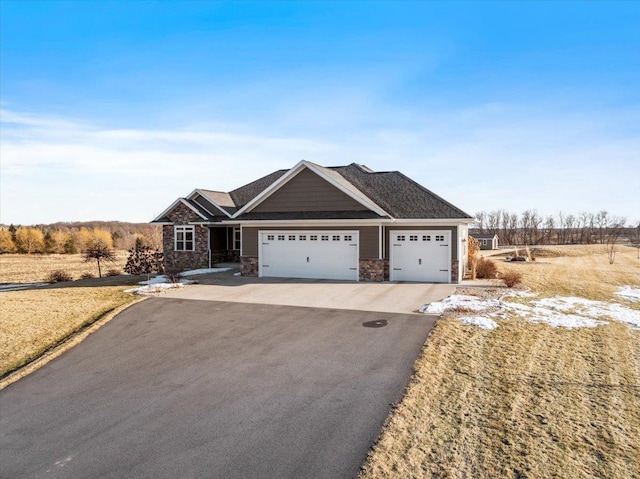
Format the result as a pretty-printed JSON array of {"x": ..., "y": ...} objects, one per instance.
[{"x": 326, "y": 175}]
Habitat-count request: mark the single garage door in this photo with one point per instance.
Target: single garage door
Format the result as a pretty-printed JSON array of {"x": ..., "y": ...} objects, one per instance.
[
  {"x": 421, "y": 255},
  {"x": 309, "y": 254}
]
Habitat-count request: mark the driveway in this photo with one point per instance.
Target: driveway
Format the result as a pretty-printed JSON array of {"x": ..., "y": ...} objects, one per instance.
[
  {"x": 191, "y": 389},
  {"x": 382, "y": 297}
]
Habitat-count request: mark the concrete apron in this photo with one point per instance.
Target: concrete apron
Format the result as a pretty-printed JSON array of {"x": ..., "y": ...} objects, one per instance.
[{"x": 380, "y": 297}]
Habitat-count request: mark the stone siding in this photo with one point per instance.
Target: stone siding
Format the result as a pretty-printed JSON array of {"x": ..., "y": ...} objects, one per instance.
[
  {"x": 455, "y": 264},
  {"x": 249, "y": 265},
  {"x": 185, "y": 260},
  {"x": 373, "y": 269}
]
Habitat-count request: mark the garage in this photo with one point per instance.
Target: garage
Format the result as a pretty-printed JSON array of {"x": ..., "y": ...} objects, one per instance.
[
  {"x": 421, "y": 255},
  {"x": 309, "y": 254}
]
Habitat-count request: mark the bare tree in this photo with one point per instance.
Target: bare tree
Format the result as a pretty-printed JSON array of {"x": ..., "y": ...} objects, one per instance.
[{"x": 613, "y": 230}]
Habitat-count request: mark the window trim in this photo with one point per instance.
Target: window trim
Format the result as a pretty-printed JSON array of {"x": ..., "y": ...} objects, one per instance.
[{"x": 184, "y": 229}]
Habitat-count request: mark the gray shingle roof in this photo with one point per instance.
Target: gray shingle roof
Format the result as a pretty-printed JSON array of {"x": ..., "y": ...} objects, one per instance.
[{"x": 396, "y": 194}]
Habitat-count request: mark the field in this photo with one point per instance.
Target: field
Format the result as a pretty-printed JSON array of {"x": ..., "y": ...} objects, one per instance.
[
  {"x": 525, "y": 400},
  {"x": 21, "y": 268}
]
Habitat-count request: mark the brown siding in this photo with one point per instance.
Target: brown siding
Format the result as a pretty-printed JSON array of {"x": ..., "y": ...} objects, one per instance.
[
  {"x": 368, "y": 238},
  {"x": 308, "y": 192},
  {"x": 453, "y": 229}
]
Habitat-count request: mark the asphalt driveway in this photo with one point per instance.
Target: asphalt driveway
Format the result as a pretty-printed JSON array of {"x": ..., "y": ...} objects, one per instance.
[{"x": 194, "y": 389}]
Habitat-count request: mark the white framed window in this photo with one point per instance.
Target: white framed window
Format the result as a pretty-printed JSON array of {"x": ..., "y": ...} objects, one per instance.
[
  {"x": 348, "y": 238},
  {"x": 184, "y": 238},
  {"x": 237, "y": 239},
  {"x": 280, "y": 237},
  {"x": 270, "y": 237},
  {"x": 324, "y": 237},
  {"x": 303, "y": 238},
  {"x": 313, "y": 237},
  {"x": 413, "y": 237}
]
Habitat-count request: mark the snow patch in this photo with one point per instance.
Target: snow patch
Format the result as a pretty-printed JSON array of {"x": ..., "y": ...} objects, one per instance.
[
  {"x": 161, "y": 282},
  {"x": 632, "y": 293},
  {"x": 566, "y": 312},
  {"x": 459, "y": 301},
  {"x": 154, "y": 288},
  {"x": 480, "y": 321}
]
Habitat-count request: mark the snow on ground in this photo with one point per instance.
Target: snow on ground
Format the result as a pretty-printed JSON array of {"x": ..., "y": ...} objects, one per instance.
[
  {"x": 631, "y": 293},
  {"x": 460, "y": 301},
  {"x": 566, "y": 312},
  {"x": 161, "y": 282},
  {"x": 480, "y": 321}
]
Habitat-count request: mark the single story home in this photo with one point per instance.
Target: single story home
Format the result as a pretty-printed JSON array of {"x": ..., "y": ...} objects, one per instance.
[
  {"x": 487, "y": 241},
  {"x": 341, "y": 223}
]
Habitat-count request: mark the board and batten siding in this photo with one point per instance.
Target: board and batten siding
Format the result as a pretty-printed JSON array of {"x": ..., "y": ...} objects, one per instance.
[
  {"x": 308, "y": 192},
  {"x": 368, "y": 238}
]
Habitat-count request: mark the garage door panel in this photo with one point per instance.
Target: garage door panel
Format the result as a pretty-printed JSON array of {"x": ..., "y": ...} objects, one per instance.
[
  {"x": 421, "y": 255},
  {"x": 309, "y": 254}
]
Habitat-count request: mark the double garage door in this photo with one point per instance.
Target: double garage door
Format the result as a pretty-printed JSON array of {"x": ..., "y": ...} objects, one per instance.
[
  {"x": 421, "y": 255},
  {"x": 309, "y": 254}
]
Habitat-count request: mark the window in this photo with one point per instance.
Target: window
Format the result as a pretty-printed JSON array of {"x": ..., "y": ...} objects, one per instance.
[
  {"x": 236, "y": 239},
  {"x": 324, "y": 237},
  {"x": 292, "y": 237},
  {"x": 401, "y": 238},
  {"x": 302, "y": 237},
  {"x": 413, "y": 237},
  {"x": 484, "y": 242},
  {"x": 439, "y": 237},
  {"x": 313, "y": 237},
  {"x": 184, "y": 238},
  {"x": 270, "y": 237},
  {"x": 280, "y": 237},
  {"x": 348, "y": 238},
  {"x": 426, "y": 237},
  {"x": 336, "y": 238}
]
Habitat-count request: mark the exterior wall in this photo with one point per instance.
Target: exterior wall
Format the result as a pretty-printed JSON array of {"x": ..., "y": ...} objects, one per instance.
[
  {"x": 185, "y": 260},
  {"x": 368, "y": 238},
  {"x": 374, "y": 270},
  {"x": 308, "y": 192}
]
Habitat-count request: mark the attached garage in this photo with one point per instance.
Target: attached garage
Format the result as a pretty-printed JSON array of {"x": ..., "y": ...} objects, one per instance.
[
  {"x": 313, "y": 254},
  {"x": 421, "y": 255}
]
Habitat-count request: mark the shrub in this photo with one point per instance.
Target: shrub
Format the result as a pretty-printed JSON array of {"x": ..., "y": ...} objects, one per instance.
[
  {"x": 114, "y": 272},
  {"x": 143, "y": 260},
  {"x": 486, "y": 269},
  {"x": 58, "y": 276},
  {"x": 87, "y": 276},
  {"x": 174, "y": 275},
  {"x": 511, "y": 278}
]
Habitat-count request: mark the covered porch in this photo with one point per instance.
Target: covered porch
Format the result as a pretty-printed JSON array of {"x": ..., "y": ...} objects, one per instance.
[{"x": 224, "y": 244}]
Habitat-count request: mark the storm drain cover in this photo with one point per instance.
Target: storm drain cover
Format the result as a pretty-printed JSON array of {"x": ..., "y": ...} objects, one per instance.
[{"x": 380, "y": 323}]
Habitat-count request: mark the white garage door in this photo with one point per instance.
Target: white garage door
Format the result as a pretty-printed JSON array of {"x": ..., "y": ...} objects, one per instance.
[
  {"x": 309, "y": 254},
  {"x": 421, "y": 255}
]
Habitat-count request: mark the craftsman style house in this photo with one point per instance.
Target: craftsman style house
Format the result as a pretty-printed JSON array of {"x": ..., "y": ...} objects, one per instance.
[{"x": 342, "y": 223}]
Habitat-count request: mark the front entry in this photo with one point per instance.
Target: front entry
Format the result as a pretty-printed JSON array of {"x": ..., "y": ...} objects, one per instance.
[{"x": 421, "y": 255}]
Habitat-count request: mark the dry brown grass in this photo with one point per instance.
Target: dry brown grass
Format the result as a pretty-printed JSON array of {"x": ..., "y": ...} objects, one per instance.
[
  {"x": 33, "y": 321},
  {"x": 524, "y": 400},
  {"x": 22, "y": 268},
  {"x": 583, "y": 271}
]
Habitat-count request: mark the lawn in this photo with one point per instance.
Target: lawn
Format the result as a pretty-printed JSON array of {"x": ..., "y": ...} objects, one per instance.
[
  {"x": 525, "y": 400},
  {"x": 23, "y": 268},
  {"x": 34, "y": 320}
]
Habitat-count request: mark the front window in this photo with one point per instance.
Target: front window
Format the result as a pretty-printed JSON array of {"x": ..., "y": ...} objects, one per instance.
[
  {"x": 237, "y": 239},
  {"x": 184, "y": 238}
]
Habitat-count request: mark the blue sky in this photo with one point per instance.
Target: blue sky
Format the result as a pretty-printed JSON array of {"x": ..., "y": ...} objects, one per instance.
[{"x": 111, "y": 110}]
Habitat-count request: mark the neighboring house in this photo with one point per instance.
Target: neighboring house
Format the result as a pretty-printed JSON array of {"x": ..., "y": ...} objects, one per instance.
[
  {"x": 487, "y": 241},
  {"x": 343, "y": 223}
]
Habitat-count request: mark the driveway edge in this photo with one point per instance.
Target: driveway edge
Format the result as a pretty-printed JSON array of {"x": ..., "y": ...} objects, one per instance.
[{"x": 66, "y": 344}]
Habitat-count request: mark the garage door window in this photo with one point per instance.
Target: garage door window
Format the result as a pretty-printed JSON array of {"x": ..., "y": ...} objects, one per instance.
[
  {"x": 324, "y": 237},
  {"x": 426, "y": 237},
  {"x": 280, "y": 237},
  {"x": 439, "y": 237},
  {"x": 313, "y": 238},
  {"x": 348, "y": 238},
  {"x": 303, "y": 238}
]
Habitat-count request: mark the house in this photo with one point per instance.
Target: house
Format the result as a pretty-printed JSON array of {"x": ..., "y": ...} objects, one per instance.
[
  {"x": 487, "y": 241},
  {"x": 340, "y": 223}
]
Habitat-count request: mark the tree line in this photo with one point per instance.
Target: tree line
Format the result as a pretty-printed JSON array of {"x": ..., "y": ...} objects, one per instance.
[
  {"x": 72, "y": 238},
  {"x": 531, "y": 228}
]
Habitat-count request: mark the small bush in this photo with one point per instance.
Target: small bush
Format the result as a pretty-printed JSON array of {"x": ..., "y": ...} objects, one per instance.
[
  {"x": 114, "y": 272},
  {"x": 511, "y": 278},
  {"x": 58, "y": 276},
  {"x": 87, "y": 276},
  {"x": 486, "y": 269},
  {"x": 174, "y": 275}
]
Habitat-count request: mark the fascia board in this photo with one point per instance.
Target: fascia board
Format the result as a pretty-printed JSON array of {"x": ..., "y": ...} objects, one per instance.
[{"x": 212, "y": 203}]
